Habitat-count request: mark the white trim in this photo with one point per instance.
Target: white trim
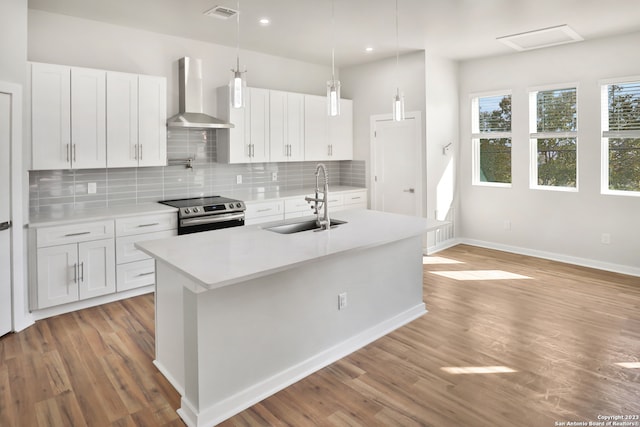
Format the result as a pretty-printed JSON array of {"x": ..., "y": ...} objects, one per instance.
[
  {"x": 554, "y": 86},
  {"x": 246, "y": 398},
  {"x": 21, "y": 318},
  {"x": 490, "y": 93},
  {"x": 411, "y": 115},
  {"x": 611, "y": 81},
  {"x": 174, "y": 383},
  {"x": 553, "y": 256}
]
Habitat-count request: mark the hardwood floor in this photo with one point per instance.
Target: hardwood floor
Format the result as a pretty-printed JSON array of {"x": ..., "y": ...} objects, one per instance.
[{"x": 560, "y": 332}]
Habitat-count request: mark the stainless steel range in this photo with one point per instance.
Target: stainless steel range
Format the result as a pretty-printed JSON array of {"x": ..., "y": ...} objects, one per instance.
[{"x": 207, "y": 213}]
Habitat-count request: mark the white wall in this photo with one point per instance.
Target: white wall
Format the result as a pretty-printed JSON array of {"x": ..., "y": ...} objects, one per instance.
[
  {"x": 68, "y": 40},
  {"x": 555, "y": 224}
]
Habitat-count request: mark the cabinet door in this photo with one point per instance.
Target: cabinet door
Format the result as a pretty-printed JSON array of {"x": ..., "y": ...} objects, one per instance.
[
  {"x": 259, "y": 124},
  {"x": 57, "y": 275},
  {"x": 50, "y": 116},
  {"x": 295, "y": 126},
  {"x": 88, "y": 118},
  {"x": 279, "y": 150},
  {"x": 97, "y": 268},
  {"x": 341, "y": 132},
  {"x": 315, "y": 128},
  {"x": 152, "y": 110},
  {"x": 122, "y": 120}
]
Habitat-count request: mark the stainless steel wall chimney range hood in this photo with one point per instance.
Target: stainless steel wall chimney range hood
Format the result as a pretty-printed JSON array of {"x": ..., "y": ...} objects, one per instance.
[{"x": 191, "y": 106}]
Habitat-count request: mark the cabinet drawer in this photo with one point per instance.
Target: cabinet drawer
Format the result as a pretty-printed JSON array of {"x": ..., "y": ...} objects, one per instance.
[
  {"x": 74, "y": 233},
  {"x": 355, "y": 198},
  {"x": 263, "y": 209},
  {"x": 146, "y": 224},
  {"x": 297, "y": 204},
  {"x": 135, "y": 274},
  {"x": 127, "y": 252}
]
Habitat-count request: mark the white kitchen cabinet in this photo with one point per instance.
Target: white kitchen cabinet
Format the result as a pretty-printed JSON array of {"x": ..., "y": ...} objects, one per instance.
[
  {"x": 248, "y": 140},
  {"x": 70, "y": 267},
  {"x": 134, "y": 268},
  {"x": 263, "y": 211},
  {"x": 68, "y": 117},
  {"x": 355, "y": 199},
  {"x": 152, "y": 116},
  {"x": 327, "y": 138},
  {"x": 136, "y": 117},
  {"x": 50, "y": 116},
  {"x": 286, "y": 126}
]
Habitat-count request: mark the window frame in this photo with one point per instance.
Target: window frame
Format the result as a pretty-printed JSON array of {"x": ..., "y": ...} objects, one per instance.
[
  {"x": 534, "y": 136},
  {"x": 476, "y": 136},
  {"x": 604, "y": 140}
]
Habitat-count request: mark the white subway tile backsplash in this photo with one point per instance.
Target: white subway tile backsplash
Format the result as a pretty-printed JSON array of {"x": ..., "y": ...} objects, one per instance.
[{"x": 66, "y": 190}]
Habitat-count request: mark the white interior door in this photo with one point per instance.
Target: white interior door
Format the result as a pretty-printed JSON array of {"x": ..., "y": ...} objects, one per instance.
[
  {"x": 397, "y": 165},
  {"x": 5, "y": 213}
]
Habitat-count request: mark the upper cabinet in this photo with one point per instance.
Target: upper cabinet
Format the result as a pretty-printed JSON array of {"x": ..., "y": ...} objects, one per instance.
[
  {"x": 286, "y": 126},
  {"x": 248, "y": 140},
  {"x": 327, "y": 138},
  {"x": 68, "y": 117},
  {"x": 136, "y": 116},
  {"x": 84, "y": 118},
  {"x": 277, "y": 126}
]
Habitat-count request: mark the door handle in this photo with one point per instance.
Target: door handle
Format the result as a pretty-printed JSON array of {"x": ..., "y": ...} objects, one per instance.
[
  {"x": 410, "y": 190},
  {"x": 5, "y": 225}
]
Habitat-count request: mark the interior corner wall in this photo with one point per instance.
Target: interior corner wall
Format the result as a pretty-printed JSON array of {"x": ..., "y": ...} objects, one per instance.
[{"x": 554, "y": 224}]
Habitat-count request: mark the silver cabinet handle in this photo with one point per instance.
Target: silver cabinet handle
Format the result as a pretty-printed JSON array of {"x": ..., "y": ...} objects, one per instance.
[
  {"x": 146, "y": 274},
  {"x": 75, "y": 273},
  {"x": 264, "y": 210},
  {"x": 74, "y": 153},
  {"x": 148, "y": 225},
  {"x": 82, "y": 271},
  {"x": 5, "y": 225},
  {"x": 140, "y": 145},
  {"x": 410, "y": 190},
  {"x": 135, "y": 152},
  {"x": 82, "y": 233},
  {"x": 68, "y": 150}
]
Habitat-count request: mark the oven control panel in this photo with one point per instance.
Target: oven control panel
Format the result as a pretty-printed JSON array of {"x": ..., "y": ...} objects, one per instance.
[{"x": 192, "y": 211}]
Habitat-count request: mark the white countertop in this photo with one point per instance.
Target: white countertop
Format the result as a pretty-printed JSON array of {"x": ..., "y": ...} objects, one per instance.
[
  {"x": 80, "y": 215},
  {"x": 220, "y": 258}
]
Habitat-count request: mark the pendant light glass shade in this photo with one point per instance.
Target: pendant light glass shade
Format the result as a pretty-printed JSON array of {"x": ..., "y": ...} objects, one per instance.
[
  {"x": 333, "y": 97},
  {"x": 238, "y": 84},
  {"x": 398, "y": 106}
]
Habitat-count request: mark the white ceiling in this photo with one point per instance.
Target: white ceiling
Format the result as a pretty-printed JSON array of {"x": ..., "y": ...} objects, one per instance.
[{"x": 301, "y": 29}]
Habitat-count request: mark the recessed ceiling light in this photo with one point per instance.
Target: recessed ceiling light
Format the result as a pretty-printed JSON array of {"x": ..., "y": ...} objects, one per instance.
[
  {"x": 264, "y": 21},
  {"x": 368, "y": 49}
]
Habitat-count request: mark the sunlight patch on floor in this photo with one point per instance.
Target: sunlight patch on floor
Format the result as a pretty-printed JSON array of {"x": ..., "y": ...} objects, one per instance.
[
  {"x": 480, "y": 275},
  {"x": 439, "y": 260},
  {"x": 478, "y": 370},
  {"x": 629, "y": 365}
]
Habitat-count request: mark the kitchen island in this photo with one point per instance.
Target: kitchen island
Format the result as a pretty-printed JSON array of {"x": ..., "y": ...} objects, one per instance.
[{"x": 244, "y": 312}]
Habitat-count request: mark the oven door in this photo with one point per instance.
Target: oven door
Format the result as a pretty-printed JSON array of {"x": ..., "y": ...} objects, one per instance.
[{"x": 210, "y": 222}]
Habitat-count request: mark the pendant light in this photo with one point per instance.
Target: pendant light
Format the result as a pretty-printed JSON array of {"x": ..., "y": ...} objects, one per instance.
[
  {"x": 398, "y": 99},
  {"x": 237, "y": 85},
  {"x": 333, "y": 85}
]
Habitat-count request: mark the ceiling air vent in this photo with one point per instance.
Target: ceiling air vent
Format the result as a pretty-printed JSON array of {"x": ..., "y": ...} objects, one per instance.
[
  {"x": 537, "y": 39},
  {"x": 221, "y": 12}
]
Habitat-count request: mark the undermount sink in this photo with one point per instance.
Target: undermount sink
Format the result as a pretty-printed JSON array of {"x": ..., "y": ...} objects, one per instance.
[{"x": 297, "y": 227}]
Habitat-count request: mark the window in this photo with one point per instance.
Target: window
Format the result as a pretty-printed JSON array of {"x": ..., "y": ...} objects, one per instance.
[
  {"x": 491, "y": 134},
  {"x": 553, "y": 124},
  {"x": 621, "y": 138}
]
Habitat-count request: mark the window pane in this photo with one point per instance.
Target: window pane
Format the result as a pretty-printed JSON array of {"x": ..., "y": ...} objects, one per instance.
[
  {"x": 557, "y": 162},
  {"x": 557, "y": 110},
  {"x": 495, "y": 113},
  {"x": 624, "y": 164},
  {"x": 495, "y": 160},
  {"x": 624, "y": 106}
]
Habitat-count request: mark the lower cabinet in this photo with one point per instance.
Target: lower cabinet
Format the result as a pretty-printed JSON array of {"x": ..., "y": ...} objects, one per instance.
[
  {"x": 264, "y": 211},
  {"x": 75, "y": 271}
]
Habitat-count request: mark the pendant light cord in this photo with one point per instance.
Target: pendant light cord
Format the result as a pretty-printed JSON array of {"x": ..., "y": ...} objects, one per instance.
[
  {"x": 238, "y": 35},
  {"x": 397, "y": 52},
  {"x": 333, "y": 42}
]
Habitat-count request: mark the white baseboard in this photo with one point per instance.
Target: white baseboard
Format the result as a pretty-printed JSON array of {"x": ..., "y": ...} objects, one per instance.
[
  {"x": 175, "y": 384},
  {"x": 583, "y": 262},
  {"x": 254, "y": 394}
]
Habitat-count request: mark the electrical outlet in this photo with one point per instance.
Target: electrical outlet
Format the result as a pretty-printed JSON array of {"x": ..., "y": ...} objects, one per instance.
[
  {"x": 342, "y": 301},
  {"x": 605, "y": 238},
  {"x": 92, "y": 188},
  {"x": 238, "y": 179},
  {"x": 274, "y": 176}
]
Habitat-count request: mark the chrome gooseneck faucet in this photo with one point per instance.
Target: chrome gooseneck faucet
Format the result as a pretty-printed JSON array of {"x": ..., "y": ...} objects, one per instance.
[{"x": 324, "y": 223}]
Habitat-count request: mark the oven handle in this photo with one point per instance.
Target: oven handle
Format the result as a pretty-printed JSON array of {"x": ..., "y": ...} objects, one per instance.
[{"x": 211, "y": 219}]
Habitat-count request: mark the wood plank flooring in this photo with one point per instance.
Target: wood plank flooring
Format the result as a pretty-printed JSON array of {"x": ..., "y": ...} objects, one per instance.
[{"x": 561, "y": 332}]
